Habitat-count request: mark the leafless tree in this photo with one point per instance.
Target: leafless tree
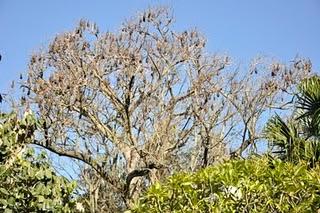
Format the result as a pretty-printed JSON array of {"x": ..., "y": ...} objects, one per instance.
[{"x": 137, "y": 105}]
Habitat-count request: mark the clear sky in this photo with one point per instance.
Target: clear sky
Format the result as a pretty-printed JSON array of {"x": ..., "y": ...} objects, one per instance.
[{"x": 242, "y": 28}]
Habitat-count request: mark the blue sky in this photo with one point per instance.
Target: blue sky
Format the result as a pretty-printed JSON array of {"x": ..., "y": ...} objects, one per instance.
[{"x": 241, "y": 28}]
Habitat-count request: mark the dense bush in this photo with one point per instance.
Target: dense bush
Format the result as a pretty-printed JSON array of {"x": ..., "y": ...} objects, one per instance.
[
  {"x": 252, "y": 185},
  {"x": 27, "y": 181}
]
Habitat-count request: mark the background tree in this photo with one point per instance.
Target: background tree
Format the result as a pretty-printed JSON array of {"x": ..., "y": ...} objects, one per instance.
[{"x": 142, "y": 103}]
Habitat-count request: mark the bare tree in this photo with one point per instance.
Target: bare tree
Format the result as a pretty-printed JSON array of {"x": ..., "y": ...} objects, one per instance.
[{"x": 142, "y": 103}]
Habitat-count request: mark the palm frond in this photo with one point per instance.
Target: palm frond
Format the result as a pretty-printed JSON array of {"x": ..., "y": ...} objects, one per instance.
[
  {"x": 308, "y": 106},
  {"x": 309, "y": 97},
  {"x": 298, "y": 139},
  {"x": 282, "y": 137},
  {"x": 312, "y": 152}
]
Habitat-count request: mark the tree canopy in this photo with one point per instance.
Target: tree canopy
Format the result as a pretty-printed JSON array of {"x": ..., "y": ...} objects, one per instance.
[
  {"x": 139, "y": 104},
  {"x": 130, "y": 108}
]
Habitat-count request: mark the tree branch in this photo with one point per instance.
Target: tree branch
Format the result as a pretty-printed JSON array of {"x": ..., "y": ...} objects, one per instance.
[{"x": 138, "y": 173}]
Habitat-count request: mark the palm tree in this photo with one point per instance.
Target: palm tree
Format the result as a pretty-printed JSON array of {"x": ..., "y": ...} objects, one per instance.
[{"x": 298, "y": 138}]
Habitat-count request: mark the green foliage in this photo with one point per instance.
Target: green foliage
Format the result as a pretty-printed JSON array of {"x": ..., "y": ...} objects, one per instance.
[
  {"x": 253, "y": 185},
  {"x": 309, "y": 98},
  {"x": 288, "y": 143},
  {"x": 283, "y": 137},
  {"x": 27, "y": 182},
  {"x": 298, "y": 138},
  {"x": 308, "y": 104}
]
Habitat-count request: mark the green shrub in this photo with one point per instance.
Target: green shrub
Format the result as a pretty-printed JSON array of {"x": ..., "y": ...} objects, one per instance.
[
  {"x": 27, "y": 181},
  {"x": 252, "y": 185}
]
